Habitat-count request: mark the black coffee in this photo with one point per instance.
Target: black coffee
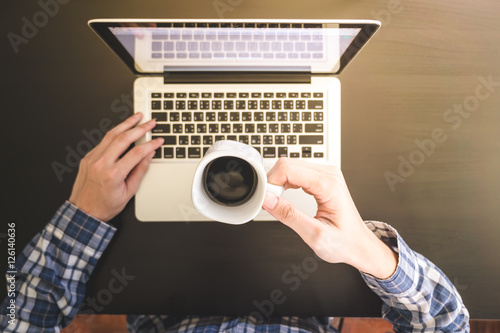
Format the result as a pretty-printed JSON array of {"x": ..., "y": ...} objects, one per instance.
[{"x": 229, "y": 181}]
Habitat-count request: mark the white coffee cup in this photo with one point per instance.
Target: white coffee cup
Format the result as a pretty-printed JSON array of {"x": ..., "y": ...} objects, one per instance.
[{"x": 230, "y": 183}]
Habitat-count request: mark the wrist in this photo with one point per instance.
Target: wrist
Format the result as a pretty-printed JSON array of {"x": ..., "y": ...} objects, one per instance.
[{"x": 374, "y": 257}]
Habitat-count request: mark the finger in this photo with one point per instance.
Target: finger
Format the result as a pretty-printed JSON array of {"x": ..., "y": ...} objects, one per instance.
[
  {"x": 136, "y": 155},
  {"x": 135, "y": 177},
  {"x": 313, "y": 179},
  {"x": 121, "y": 143},
  {"x": 304, "y": 225}
]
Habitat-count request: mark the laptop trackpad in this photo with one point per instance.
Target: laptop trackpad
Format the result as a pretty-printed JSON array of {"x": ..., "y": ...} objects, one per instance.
[{"x": 168, "y": 196}]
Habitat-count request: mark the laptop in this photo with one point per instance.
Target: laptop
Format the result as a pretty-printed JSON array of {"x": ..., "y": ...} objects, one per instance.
[{"x": 271, "y": 84}]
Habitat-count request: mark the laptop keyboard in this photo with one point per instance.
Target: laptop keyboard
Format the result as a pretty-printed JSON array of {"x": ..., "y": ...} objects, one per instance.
[
  {"x": 271, "y": 41},
  {"x": 277, "y": 124}
]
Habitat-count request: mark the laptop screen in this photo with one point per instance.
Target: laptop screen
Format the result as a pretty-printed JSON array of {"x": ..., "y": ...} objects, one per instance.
[{"x": 162, "y": 47}]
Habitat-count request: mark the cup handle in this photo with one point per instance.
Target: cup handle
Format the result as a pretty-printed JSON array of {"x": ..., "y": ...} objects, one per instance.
[{"x": 276, "y": 189}]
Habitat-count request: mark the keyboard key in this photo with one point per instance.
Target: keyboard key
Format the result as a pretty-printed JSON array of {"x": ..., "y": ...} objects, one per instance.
[
  {"x": 180, "y": 105},
  {"x": 206, "y": 95},
  {"x": 258, "y": 116},
  {"x": 310, "y": 139},
  {"x": 157, "y": 153},
  {"x": 294, "y": 116},
  {"x": 180, "y": 152},
  {"x": 291, "y": 139},
  {"x": 168, "y": 105},
  {"x": 294, "y": 155},
  {"x": 186, "y": 116},
  {"x": 241, "y": 104},
  {"x": 174, "y": 116},
  {"x": 201, "y": 128},
  {"x": 264, "y": 105},
  {"x": 283, "y": 152},
  {"x": 314, "y": 104},
  {"x": 293, "y": 95},
  {"x": 269, "y": 152},
  {"x": 183, "y": 140},
  {"x": 249, "y": 128},
  {"x": 210, "y": 116},
  {"x": 318, "y": 155},
  {"x": 213, "y": 128},
  {"x": 194, "y": 95},
  {"x": 267, "y": 139},
  {"x": 222, "y": 116},
  {"x": 168, "y": 152},
  {"x": 257, "y": 148},
  {"x": 194, "y": 152},
  {"x": 306, "y": 152},
  {"x": 274, "y": 128},
  {"x": 270, "y": 116},
  {"x": 204, "y": 105},
  {"x": 156, "y": 105},
  {"x": 192, "y": 105},
  {"x": 181, "y": 95},
  {"x": 177, "y": 128},
  {"x": 318, "y": 116},
  {"x": 195, "y": 139},
  {"x": 318, "y": 95},
  {"x": 297, "y": 128},
  {"x": 288, "y": 105},
  {"x": 156, "y": 95},
  {"x": 282, "y": 116},
  {"x": 243, "y": 139},
  {"x": 216, "y": 105},
  {"x": 234, "y": 116},
  {"x": 276, "y": 105},
  {"x": 230, "y": 95},
  {"x": 205, "y": 149},
  {"x": 261, "y": 128},
  {"x": 229, "y": 105},
  {"x": 161, "y": 128},
  {"x": 255, "y": 139},
  {"x": 243, "y": 95},
  {"x": 231, "y": 137},
  {"x": 268, "y": 95},
  {"x": 300, "y": 104},
  {"x": 246, "y": 116},
  {"x": 189, "y": 128},
  {"x": 218, "y": 95},
  {"x": 281, "y": 95},
  {"x": 207, "y": 140},
  {"x": 198, "y": 116},
  {"x": 237, "y": 128},
  {"x": 168, "y": 95},
  {"x": 279, "y": 140},
  {"x": 219, "y": 138},
  {"x": 285, "y": 128},
  {"x": 168, "y": 139},
  {"x": 225, "y": 128},
  {"x": 314, "y": 128},
  {"x": 159, "y": 116},
  {"x": 306, "y": 116},
  {"x": 256, "y": 95},
  {"x": 253, "y": 104}
]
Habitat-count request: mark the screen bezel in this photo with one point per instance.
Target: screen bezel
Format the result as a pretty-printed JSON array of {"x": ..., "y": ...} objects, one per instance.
[{"x": 101, "y": 28}]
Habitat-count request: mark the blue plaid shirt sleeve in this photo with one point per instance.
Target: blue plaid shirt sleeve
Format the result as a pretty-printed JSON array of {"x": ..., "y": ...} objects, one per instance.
[
  {"x": 53, "y": 269},
  {"x": 418, "y": 297}
]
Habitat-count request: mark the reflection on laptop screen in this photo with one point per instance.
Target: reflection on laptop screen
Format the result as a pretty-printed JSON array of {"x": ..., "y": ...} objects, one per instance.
[{"x": 158, "y": 48}]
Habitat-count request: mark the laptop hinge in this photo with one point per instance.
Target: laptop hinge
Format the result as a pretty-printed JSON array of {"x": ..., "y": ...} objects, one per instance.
[{"x": 237, "y": 77}]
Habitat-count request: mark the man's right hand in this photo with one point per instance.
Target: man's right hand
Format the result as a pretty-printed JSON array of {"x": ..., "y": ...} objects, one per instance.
[
  {"x": 107, "y": 180},
  {"x": 337, "y": 233}
]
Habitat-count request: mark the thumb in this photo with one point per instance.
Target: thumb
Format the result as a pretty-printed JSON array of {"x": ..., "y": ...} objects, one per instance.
[{"x": 284, "y": 211}]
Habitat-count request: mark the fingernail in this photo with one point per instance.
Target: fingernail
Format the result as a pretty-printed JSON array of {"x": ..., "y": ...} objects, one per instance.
[
  {"x": 270, "y": 201},
  {"x": 159, "y": 140}
]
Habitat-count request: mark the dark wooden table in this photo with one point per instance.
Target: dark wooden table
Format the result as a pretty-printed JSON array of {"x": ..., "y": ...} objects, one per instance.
[{"x": 408, "y": 103}]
